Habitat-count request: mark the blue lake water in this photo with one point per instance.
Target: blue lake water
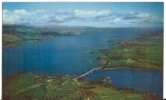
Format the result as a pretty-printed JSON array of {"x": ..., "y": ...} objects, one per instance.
[
  {"x": 66, "y": 54},
  {"x": 139, "y": 80}
]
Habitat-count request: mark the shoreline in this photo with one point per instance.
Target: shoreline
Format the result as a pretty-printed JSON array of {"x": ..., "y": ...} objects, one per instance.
[
  {"x": 136, "y": 68},
  {"x": 116, "y": 87},
  {"x": 24, "y": 42},
  {"x": 140, "y": 53},
  {"x": 99, "y": 82}
]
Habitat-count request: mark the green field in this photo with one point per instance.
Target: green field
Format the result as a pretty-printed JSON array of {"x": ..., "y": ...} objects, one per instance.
[
  {"x": 15, "y": 39},
  {"x": 41, "y": 87},
  {"x": 44, "y": 87},
  {"x": 145, "y": 52}
]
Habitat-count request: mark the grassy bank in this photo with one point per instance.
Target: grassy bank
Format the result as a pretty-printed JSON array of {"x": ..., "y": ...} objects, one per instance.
[
  {"x": 145, "y": 52},
  {"x": 15, "y": 39},
  {"x": 17, "y": 34},
  {"x": 44, "y": 87},
  {"x": 41, "y": 87}
]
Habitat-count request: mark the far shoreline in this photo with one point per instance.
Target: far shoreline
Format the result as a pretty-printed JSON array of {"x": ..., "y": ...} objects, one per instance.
[{"x": 134, "y": 68}]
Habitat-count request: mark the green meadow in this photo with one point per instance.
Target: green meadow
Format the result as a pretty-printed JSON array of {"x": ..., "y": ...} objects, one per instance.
[
  {"x": 145, "y": 52},
  {"x": 46, "y": 87}
]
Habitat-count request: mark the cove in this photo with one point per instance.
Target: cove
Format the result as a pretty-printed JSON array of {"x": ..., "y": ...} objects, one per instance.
[{"x": 140, "y": 80}]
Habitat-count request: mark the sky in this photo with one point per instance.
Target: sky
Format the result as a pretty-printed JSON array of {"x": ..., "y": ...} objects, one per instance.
[{"x": 94, "y": 14}]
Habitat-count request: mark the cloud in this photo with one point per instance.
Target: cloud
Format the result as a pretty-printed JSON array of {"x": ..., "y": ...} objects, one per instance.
[
  {"x": 133, "y": 17},
  {"x": 42, "y": 17},
  {"x": 91, "y": 14},
  {"x": 15, "y": 17},
  {"x": 114, "y": 21},
  {"x": 61, "y": 16},
  {"x": 22, "y": 16},
  {"x": 20, "y": 12},
  {"x": 9, "y": 17},
  {"x": 79, "y": 15},
  {"x": 136, "y": 15},
  {"x": 40, "y": 11}
]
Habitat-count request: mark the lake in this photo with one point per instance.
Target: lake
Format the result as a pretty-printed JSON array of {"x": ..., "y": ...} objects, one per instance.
[
  {"x": 70, "y": 55},
  {"x": 139, "y": 80}
]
